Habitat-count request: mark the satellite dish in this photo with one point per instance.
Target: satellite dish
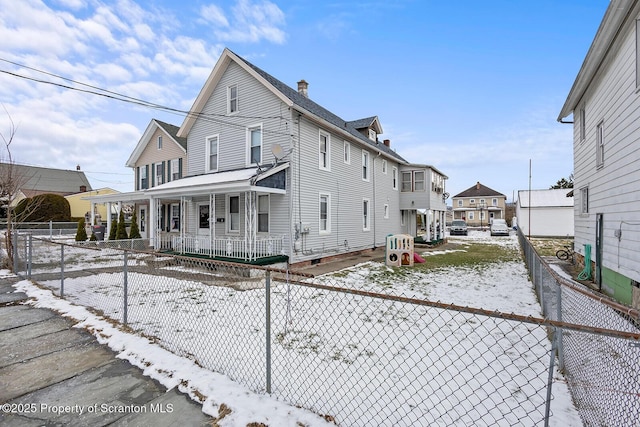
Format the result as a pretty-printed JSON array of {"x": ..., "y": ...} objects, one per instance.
[{"x": 277, "y": 151}]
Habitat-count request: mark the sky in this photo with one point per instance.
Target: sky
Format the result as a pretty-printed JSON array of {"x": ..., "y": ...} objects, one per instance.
[
  {"x": 472, "y": 88},
  {"x": 502, "y": 287}
]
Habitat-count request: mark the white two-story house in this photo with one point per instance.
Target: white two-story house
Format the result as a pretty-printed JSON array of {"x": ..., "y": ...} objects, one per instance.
[
  {"x": 271, "y": 175},
  {"x": 604, "y": 107}
]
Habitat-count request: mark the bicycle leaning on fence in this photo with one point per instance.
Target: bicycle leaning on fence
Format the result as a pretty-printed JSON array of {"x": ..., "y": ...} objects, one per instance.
[{"x": 565, "y": 254}]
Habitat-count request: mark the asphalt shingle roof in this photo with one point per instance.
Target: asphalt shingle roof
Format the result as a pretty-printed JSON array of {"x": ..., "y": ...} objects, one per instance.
[
  {"x": 38, "y": 180},
  {"x": 323, "y": 113},
  {"x": 479, "y": 190}
]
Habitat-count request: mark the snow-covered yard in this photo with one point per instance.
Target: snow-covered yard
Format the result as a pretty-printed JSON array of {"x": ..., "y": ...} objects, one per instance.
[{"x": 362, "y": 360}]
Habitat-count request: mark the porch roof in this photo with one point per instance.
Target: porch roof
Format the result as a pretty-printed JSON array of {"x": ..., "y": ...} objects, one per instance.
[
  {"x": 230, "y": 181},
  {"x": 133, "y": 196}
]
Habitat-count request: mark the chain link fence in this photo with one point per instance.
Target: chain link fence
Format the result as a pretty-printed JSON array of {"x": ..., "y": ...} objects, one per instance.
[
  {"x": 357, "y": 357},
  {"x": 603, "y": 370}
]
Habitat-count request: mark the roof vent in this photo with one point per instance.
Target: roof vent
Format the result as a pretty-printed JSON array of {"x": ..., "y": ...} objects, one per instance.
[{"x": 303, "y": 87}]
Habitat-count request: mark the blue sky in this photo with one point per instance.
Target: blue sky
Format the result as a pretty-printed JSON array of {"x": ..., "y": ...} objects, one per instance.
[{"x": 473, "y": 88}]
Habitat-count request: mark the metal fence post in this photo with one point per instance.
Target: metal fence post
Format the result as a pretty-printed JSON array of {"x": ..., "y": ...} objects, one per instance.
[
  {"x": 51, "y": 229},
  {"x": 126, "y": 286},
  {"x": 15, "y": 252},
  {"x": 30, "y": 256},
  {"x": 552, "y": 357},
  {"x": 559, "y": 314},
  {"x": 62, "y": 270},
  {"x": 268, "y": 327}
]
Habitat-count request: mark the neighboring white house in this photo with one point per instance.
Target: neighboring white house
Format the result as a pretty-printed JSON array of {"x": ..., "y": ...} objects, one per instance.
[
  {"x": 605, "y": 109},
  {"x": 271, "y": 175},
  {"x": 549, "y": 213}
]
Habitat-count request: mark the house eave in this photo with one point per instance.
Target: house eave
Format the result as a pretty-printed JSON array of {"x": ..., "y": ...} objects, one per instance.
[{"x": 617, "y": 14}]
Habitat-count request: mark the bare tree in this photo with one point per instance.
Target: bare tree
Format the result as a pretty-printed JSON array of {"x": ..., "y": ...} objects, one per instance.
[{"x": 12, "y": 181}]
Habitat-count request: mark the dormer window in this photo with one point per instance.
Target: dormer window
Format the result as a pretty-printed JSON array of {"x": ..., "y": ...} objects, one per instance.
[{"x": 372, "y": 134}]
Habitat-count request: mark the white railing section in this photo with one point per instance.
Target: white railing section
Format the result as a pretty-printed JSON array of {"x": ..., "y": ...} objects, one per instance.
[{"x": 227, "y": 246}]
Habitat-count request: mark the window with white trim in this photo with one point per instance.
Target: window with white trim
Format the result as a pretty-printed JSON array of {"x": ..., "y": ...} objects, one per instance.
[
  {"x": 347, "y": 152},
  {"x": 232, "y": 99},
  {"x": 144, "y": 182},
  {"x": 460, "y": 203},
  {"x": 263, "y": 213},
  {"x": 384, "y": 166},
  {"x": 324, "y": 151},
  {"x": 600, "y": 145},
  {"x": 159, "y": 171},
  {"x": 394, "y": 177},
  {"x": 418, "y": 181},
  {"x": 233, "y": 212},
  {"x": 366, "y": 215},
  {"x": 386, "y": 211},
  {"x": 211, "y": 154},
  {"x": 471, "y": 215},
  {"x": 494, "y": 202},
  {"x": 175, "y": 217},
  {"x": 159, "y": 144},
  {"x": 254, "y": 143},
  {"x": 406, "y": 182},
  {"x": 365, "y": 165},
  {"x": 324, "y": 213},
  {"x": 472, "y": 201},
  {"x": 584, "y": 200},
  {"x": 175, "y": 169}
]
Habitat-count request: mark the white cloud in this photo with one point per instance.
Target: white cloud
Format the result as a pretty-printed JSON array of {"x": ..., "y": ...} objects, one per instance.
[{"x": 213, "y": 14}]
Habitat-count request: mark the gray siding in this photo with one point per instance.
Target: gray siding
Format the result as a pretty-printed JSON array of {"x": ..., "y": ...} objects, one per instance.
[{"x": 614, "y": 189}]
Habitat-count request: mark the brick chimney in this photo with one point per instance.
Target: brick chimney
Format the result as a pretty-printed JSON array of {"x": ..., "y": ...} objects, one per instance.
[
  {"x": 303, "y": 87},
  {"x": 478, "y": 185},
  {"x": 387, "y": 142},
  {"x": 83, "y": 188}
]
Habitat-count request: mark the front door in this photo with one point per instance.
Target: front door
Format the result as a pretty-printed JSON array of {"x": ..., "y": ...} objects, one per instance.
[{"x": 204, "y": 223}]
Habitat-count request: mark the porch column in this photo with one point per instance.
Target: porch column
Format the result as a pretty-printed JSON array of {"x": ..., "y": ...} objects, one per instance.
[
  {"x": 212, "y": 223},
  {"x": 93, "y": 213},
  {"x": 108, "y": 230},
  {"x": 152, "y": 226},
  {"x": 250, "y": 224}
]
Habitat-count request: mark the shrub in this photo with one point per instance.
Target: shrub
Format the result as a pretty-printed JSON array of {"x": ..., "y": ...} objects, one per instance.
[
  {"x": 81, "y": 234},
  {"x": 121, "y": 231},
  {"x": 134, "y": 232},
  {"x": 43, "y": 207}
]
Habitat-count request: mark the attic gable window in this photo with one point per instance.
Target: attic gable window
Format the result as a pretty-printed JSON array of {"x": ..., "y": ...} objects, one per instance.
[
  {"x": 372, "y": 134},
  {"x": 160, "y": 142},
  {"x": 232, "y": 99}
]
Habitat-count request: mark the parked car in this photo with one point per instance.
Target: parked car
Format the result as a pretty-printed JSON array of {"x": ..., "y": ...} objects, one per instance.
[
  {"x": 458, "y": 227},
  {"x": 499, "y": 228}
]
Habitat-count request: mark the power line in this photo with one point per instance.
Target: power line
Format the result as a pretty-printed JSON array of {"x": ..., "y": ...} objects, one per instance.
[{"x": 136, "y": 101}]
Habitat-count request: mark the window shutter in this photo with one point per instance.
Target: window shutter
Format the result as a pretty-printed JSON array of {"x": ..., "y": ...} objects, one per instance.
[
  {"x": 164, "y": 179},
  {"x": 153, "y": 174},
  {"x": 137, "y": 178},
  {"x": 146, "y": 168},
  {"x": 169, "y": 171},
  {"x": 180, "y": 168}
]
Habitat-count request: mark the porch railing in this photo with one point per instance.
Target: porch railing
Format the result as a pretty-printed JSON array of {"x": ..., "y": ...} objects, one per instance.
[{"x": 226, "y": 247}]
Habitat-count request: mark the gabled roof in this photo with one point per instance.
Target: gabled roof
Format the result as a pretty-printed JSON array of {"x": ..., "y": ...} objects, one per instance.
[
  {"x": 170, "y": 130},
  {"x": 35, "y": 180},
  {"x": 546, "y": 198},
  {"x": 288, "y": 95},
  {"x": 368, "y": 122},
  {"x": 479, "y": 190},
  {"x": 617, "y": 15}
]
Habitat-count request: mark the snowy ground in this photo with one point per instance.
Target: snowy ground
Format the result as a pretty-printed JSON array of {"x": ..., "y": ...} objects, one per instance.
[{"x": 403, "y": 343}]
